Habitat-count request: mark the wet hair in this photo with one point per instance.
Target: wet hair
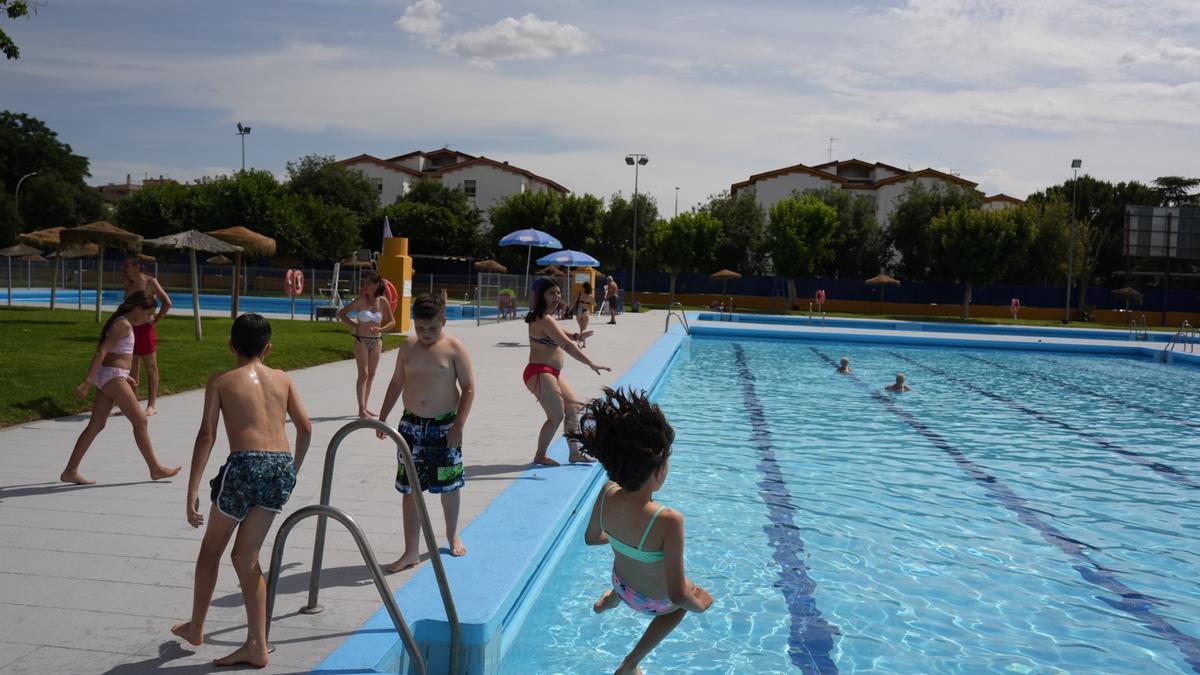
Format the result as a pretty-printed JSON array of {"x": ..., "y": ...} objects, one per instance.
[
  {"x": 538, "y": 307},
  {"x": 427, "y": 307},
  {"x": 627, "y": 433},
  {"x": 135, "y": 300},
  {"x": 587, "y": 287},
  {"x": 901, "y": 376},
  {"x": 250, "y": 335},
  {"x": 373, "y": 277}
]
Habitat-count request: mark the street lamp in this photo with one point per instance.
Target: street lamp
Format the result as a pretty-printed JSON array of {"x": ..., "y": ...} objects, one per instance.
[
  {"x": 1075, "y": 164},
  {"x": 636, "y": 160},
  {"x": 676, "y": 200},
  {"x": 17, "y": 193},
  {"x": 243, "y": 131}
]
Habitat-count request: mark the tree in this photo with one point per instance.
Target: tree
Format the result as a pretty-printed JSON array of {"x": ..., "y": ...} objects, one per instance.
[
  {"x": 434, "y": 229},
  {"x": 322, "y": 177},
  {"x": 157, "y": 210},
  {"x": 580, "y": 221},
  {"x": 798, "y": 237},
  {"x": 27, "y": 145},
  {"x": 1177, "y": 190},
  {"x": 14, "y": 9},
  {"x": 972, "y": 247},
  {"x": 320, "y": 229},
  {"x": 859, "y": 239},
  {"x": 615, "y": 245},
  {"x": 908, "y": 226},
  {"x": 1043, "y": 234},
  {"x": 684, "y": 243},
  {"x": 743, "y": 231}
]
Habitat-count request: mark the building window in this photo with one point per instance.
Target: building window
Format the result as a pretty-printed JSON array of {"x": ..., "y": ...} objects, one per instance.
[
  {"x": 469, "y": 188},
  {"x": 378, "y": 184}
]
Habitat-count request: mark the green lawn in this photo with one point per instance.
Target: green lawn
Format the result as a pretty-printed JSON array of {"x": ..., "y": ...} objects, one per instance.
[{"x": 46, "y": 354}]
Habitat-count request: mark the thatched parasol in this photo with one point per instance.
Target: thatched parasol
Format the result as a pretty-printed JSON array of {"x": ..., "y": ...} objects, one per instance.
[
  {"x": 490, "y": 266},
  {"x": 102, "y": 233},
  {"x": 1129, "y": 294},
  {"x": 724, "y": 276},
  {"x": 253, "y": 245},
  {"x": 16, "y": 251},
  {"x": 50, "y": 239},
  {"x": 550, "y": 271},
  {"x": 218, "y": 260},
  {"x": 192, "y": 241},
  {"x": 882, "y": 280}
]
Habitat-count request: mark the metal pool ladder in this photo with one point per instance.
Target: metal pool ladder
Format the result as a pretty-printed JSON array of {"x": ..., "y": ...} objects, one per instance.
[
  {"x": 1186, "y": 337},
  {"x": 1137, "y": 328},
  {"x": 323, "y": 511},
  {"x": 821, "y": 315},
  {"x": 675, "y": 309}
]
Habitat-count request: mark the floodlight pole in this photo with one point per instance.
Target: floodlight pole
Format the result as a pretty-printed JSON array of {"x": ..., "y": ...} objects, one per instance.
[
  {"x": 243, "y": 131},
  {"x": 17, "y": 193},
  {"x": 1075, "y": 164},
  {"x": 637, "y": 160}
]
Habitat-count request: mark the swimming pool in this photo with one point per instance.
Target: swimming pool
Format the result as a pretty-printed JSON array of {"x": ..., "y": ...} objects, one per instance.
[
  {"x": 183, "y": 302},
  {"x": 940, "y": 327},
  {"x": 1017, "y": 512}
]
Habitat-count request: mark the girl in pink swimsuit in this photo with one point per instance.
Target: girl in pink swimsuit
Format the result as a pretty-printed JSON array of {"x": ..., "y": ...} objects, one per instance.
[
  {"x": 109, "y": 371},
  {"x": 632, "y": 439}
]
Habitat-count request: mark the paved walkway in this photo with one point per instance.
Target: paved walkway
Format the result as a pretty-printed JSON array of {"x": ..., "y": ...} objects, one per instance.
[{"x": 92, "y": 577}]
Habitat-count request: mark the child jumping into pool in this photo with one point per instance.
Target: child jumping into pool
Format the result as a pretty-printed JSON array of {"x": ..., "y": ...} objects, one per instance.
[
  {"x": 632, "y": 439},
  {"x": 434, "y": 374},
  {"x": 251, "y": 487}
]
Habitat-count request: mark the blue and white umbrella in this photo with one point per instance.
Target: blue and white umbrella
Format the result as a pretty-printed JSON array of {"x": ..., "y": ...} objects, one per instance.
[
  {"x": 529, "y": 238},
  {"x": 569, "y": 259}
]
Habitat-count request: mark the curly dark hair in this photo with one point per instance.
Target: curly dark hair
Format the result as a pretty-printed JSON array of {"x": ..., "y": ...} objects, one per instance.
[{"x": 627, "y": 433}]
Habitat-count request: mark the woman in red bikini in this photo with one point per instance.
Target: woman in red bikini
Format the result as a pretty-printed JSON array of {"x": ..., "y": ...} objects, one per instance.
[{"x": 542, "y": 376}]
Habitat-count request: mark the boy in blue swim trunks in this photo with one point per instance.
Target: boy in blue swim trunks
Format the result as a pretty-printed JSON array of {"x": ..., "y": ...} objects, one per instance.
[
  {"x": 251, "y": 487},
  {"x": 433, "y": 372}
]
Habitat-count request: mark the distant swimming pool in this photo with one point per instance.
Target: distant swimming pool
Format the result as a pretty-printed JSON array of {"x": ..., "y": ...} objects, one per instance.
[
  {"x": 1017, "y": 512},
  {"x": 246, "y": 303}
]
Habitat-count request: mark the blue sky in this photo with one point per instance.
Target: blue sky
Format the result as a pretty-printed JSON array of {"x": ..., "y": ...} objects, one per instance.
[{"x": 1002, "y": 92}]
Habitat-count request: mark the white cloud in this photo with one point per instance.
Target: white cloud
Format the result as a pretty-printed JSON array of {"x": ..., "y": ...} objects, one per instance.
[
  {"x": 526, "y": 38},
  {"x": 423, "y": 19}
]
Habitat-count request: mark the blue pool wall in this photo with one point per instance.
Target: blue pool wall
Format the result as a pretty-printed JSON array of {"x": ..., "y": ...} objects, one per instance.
[{"x": 515, "y": 544}]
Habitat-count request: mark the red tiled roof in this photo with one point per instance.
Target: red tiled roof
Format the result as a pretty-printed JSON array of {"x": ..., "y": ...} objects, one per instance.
[
  {"x": 925, "y": 173},
  {"x": 503, "y": 166},
  {"x": 1001, "y": 197},
  {"x": 368, "y": 159}
]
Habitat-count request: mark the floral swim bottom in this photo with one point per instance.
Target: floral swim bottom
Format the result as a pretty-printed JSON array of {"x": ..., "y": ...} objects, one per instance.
[{"x": 254, "y": 478}]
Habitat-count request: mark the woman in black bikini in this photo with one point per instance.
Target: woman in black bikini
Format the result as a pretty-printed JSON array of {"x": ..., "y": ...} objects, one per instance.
[
  {"x": 542, "y": 375},
  {"x": 584, "y": 305},
  {"x": 373, "y": 320}
]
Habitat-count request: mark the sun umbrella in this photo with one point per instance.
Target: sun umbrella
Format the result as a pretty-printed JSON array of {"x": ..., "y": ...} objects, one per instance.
[
  {"x": 569, "y": 259},
  {"x": 192, "y": 241},
  {"x": 1129, "y": 294},
  {"x": 882, "y": 280},
  {"x": 253, "y": 244},
  {"x": 490, "y": 266},
  {"x": 46, "y": 239},
  {"x": 218, "y": 260},
  {"x": 16, "y": 251},
  {"x": 724, "y": 276},
  {"x": 101, "y": 233},
  {"x": 530, "y": 238}
]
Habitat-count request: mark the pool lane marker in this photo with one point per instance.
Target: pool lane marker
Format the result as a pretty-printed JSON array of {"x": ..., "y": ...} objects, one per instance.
[
  {"x": 1165, "y": 470},
  {"x": 810, "y": 640},
  {"x": 1132, "y": 602},
  {"x": 1070, "y": 386}
]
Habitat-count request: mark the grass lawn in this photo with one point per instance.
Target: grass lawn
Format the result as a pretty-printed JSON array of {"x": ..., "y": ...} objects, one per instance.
[{"x": 46, "y": 355}]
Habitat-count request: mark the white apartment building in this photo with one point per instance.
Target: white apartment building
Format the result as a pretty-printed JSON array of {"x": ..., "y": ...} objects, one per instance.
[
  {"x": 485, "y": 180},
  {"x": 880, "y": 182}
]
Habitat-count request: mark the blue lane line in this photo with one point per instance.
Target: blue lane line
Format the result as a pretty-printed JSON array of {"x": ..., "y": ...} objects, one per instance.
[
  {"x": 1166, "y": 470},
  {"x": 1132, "y": 602},
  {"x": 1070, "y": 386},
  {"x": 811, "y": 637},
  {"x": 1157, "y": 367}
]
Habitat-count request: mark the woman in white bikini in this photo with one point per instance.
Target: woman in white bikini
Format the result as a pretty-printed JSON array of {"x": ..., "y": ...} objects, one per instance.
[
  {"x": 109, "y": 371},
  {"x": 374, "y": 318}
]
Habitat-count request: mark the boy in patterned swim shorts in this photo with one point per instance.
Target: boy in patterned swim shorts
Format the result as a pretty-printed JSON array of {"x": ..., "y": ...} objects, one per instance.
[
  {"x": 251, "y": 487},
  {"x": 434, "y": 373}
]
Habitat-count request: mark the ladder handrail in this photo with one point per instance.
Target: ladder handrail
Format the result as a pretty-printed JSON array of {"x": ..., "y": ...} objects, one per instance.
[
  {"x": 1187, "y": 336},
  {"x": 324, "y": 511},
  {"x": 314, "y": 583},
  {"x": 678, "y": 314}
]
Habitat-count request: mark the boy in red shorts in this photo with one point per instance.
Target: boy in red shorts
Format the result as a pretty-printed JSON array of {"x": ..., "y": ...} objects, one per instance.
[{"x": 145, "y": 337}]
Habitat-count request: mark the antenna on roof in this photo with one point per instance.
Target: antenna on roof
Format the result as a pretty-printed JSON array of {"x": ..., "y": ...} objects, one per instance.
[{"x": 831, "y": 140}]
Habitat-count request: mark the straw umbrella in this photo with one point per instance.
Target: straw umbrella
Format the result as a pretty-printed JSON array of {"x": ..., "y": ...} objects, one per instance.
[
  {"x": 550, "y": 271},
  {"x": 16, "y": 251},
  {"x": 253, "y": 244},
  {"x": 101, "y": 232},
  {"x": 724, "y": 276},
  {"x": 46, "y": 240},
  {"x": 490, "y": 266},
  {"x": 882, "y": 280},
  {"x": 68, "y": 252},
  {"x": 192, "y": 241},
  {"x": 218, "y": 260},
  {"x": 1129, "y": 294}
]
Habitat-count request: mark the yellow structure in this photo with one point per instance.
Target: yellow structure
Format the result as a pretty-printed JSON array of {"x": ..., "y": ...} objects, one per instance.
[
  {"x": 580, "y": 275},
  {"x": 396, "y": 266}
]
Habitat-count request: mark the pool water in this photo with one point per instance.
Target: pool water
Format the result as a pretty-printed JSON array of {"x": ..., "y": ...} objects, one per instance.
[
  {"x": 183, "y": 302},
  {"x": 1017, "y": 512}
]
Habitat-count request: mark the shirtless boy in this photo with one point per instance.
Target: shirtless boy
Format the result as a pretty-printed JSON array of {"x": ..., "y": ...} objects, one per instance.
[
  {"x": 145, "y": 336},
  {"x": 844, "y": 366},
  {"x": 251, "y": 487},
  {"x": 434, "y": 374}
]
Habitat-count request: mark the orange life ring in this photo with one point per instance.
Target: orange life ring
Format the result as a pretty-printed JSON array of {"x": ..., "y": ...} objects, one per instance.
[
  {"x": 821, "y": 296},
  {"x": 294, "y": 283},
  {"x": 393, "y": 297}
]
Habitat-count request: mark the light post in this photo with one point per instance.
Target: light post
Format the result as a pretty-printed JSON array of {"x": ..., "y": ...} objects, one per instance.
[
  {"x": 17, "y": 193},
  {"x": 1075, "y": 164},
  {"x": 636, "y": 160},
  {"x": 243, "y": 131},
  {"x": 676, "y": 200}
]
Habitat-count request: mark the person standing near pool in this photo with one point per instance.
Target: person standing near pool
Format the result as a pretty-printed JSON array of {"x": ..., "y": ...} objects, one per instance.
[
  {"x": 434, "y": 373},
  {"x": 374, "y": 319},
  {"x": 145, "y": 336},
  {"x": 632, "y": 439},
  {"x": 109, "y": 371},
  {"x": 584, "y": 303},
  {"x": 543, "y": 374},
  {"x": 610, "y": 296}
]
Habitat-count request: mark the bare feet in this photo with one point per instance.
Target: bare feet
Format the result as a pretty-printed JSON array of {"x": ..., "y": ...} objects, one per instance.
[
  {"x": 406, "y": 561},
  {"x": 74, "y": 477},
  {"x": 151, "y": 411},
  {"x": 581, "y": 457},
  {"x": 606, "y": 601},
  {"x": 184, "y": 630},
  {"x": 457, "y": 547},
  {"x": 372, "y": 414},
  {"x": 252, "y": 654},
  {"x": 160, "y": 472},
  {"x": 545, "y": 461}
]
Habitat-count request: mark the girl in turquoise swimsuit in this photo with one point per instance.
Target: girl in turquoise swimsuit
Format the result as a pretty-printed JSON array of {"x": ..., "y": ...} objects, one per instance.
[{"x": 632, "y": 439}]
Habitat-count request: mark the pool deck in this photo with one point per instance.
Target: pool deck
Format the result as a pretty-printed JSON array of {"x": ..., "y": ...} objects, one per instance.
[{"x": 93, "y": 577}]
